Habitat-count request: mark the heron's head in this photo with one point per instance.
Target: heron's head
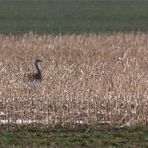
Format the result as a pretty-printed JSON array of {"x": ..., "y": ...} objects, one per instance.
[{"x": 36, "y": 61}]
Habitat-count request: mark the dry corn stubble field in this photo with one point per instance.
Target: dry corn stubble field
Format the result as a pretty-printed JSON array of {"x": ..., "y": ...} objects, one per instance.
[{"x": 88, "y": 80}]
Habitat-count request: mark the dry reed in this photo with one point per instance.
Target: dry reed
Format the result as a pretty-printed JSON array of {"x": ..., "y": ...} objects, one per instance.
[{"x": 91, "y": 80}]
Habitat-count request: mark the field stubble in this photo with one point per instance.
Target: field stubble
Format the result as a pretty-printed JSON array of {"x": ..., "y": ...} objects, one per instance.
[{"x": 88, "y": 80}]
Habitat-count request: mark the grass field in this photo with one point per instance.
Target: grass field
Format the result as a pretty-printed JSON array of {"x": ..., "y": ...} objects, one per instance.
[
  {"x": 93, "y": 83},
  {"x": 72, "y": 17},
  {"x": 36, "y": 137},
  {"x": 88, "y": 81}
]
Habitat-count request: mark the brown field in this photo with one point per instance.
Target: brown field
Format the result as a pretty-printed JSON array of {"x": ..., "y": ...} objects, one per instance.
[{"x": 88, "y": 80}]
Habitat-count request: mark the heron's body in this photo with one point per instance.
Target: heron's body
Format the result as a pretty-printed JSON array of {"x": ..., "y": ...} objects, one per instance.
[{"x": 35, "y": 77}]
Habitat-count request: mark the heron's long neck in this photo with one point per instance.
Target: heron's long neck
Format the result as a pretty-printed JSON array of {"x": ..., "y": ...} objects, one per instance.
[{"x": 37, "y": 68}]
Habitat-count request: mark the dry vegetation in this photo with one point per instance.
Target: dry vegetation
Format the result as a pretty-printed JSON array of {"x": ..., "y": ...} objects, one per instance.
[{"x": 87, "y": 80}]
